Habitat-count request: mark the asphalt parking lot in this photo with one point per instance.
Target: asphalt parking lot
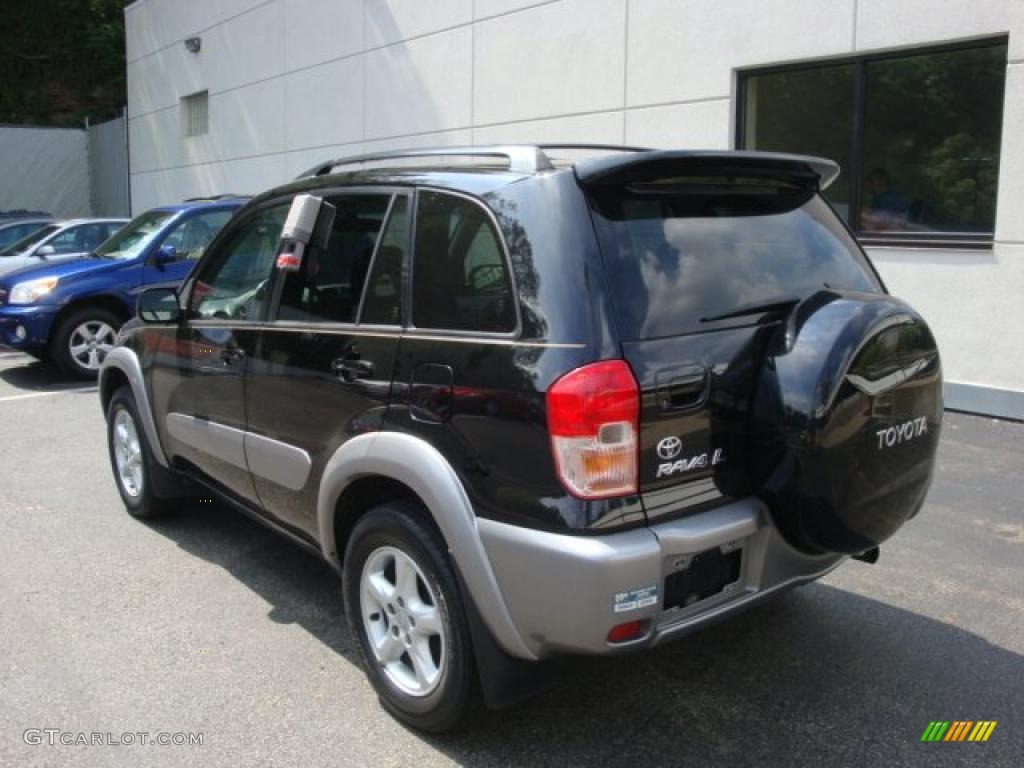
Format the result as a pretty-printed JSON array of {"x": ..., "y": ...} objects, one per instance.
[{"x": 207, "y": 623}]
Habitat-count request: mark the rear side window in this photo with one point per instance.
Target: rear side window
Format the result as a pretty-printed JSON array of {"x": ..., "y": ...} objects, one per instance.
[
  {"x": 329, "y": 285},
  {"x": 460, "y": 278},
  {"x": 382, "y": 301},
  {"x": 703, "y": 248}
]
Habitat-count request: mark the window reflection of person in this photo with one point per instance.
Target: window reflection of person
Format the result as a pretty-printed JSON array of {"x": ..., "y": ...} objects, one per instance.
[{"x": 888, "y": 210}]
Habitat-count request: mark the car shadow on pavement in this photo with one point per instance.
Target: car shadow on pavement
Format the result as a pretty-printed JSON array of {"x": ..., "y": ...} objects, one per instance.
[
  {"x": 38, "y": 376},
  {"x": 819, "y": 676},
  {"x": 301, "y": 588}
]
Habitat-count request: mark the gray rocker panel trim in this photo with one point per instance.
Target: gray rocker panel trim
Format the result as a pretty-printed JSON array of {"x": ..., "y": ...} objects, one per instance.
[
  {"x": 280, "y": 463},
  {"x": 418, "y": 465},
  {"x": 217, "y": 440},
  {"x": 124, "y": 360}
]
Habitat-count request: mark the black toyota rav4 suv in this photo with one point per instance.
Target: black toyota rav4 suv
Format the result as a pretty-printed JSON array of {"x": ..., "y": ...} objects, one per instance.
[{"x": 535, "y": 401}]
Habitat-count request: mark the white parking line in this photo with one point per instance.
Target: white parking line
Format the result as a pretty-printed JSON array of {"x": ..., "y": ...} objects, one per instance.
[{"x": 46, "y": 394}]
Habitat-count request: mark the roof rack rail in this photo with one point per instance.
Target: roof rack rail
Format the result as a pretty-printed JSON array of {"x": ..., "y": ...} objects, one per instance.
[
  {"x": 518, "y": 158},
  {"x": 212, "y": 198}
]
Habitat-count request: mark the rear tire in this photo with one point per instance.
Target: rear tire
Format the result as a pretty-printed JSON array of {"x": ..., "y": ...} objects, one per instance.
[
  {"x": 83, "y": 340},
  {"x": 136, "y": 472},
  {"x": 404, "y": 606}
]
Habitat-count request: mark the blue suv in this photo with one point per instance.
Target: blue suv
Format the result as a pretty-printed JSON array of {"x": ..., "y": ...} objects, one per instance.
[{"x": 70, "y": 312}]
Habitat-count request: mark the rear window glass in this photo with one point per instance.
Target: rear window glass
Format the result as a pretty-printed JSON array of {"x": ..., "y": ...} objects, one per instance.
[{"x": 681, "y": 254}]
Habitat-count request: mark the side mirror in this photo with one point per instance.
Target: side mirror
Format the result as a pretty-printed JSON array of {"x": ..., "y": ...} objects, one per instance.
[
  {"x": 45, "y": 250},
  {"x": 159, "y": 305},
  {"x": 165, "y": 254}
]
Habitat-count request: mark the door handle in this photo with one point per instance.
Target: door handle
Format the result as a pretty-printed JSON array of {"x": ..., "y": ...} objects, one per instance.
[
  {"x": 685, "y": 388},
  {"x": 352, "y": 368},
  {"x": 231, "y": 355}
]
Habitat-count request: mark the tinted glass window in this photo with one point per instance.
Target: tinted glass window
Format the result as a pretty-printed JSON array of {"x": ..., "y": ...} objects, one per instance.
[
  {"x": 328, "y": 285},
  {"x": 383, "y": 294},
  {"x": 460, "y": 275},
  {"x": 932, "y": 126},
  {"x": 235, "y": 282},
  {"x": 917, "y": 135},
  {"x": 675, "y": 260},
  {"x": 809, "y": 111},
  {"x": 191, "y": 235}
]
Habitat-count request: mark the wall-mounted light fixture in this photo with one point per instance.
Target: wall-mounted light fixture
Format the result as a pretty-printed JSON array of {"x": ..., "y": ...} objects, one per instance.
[{"x": 193, "y": 44}]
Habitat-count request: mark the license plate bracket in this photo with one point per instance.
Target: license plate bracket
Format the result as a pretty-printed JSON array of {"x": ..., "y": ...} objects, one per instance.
[{"x": 705, "y": 575}]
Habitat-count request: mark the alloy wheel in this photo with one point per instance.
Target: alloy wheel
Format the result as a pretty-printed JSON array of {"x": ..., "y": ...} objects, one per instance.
[
  {"x": 90, "y": 342},
  {"x": 127, "y": 454},
  {"x": 402, "y": 619}
]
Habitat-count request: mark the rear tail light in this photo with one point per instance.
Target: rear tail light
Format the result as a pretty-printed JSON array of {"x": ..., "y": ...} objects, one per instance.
[{"x": 592, "y": 417}]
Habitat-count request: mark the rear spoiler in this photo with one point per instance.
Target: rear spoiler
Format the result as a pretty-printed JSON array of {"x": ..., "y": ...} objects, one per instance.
[{"x": 634, "y": 168}]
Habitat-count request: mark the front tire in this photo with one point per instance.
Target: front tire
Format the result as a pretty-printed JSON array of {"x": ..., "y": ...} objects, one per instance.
[
  {"x": 131, "y": 459},
  {"x": 404, "y": 606},
  {"x": 83, "y": 340}
]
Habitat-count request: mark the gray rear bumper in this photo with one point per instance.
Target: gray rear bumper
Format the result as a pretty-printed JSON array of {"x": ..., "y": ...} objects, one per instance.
[{"x": 565, "y": 592}]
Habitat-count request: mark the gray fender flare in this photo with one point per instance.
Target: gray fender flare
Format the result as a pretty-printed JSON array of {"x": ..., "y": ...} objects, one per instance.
[
  {"x": 125, "y": 360},
  {"x": 418, "y": 465}
]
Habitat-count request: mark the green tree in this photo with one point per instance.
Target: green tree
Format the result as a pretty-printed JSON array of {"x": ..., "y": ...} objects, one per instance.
[{"x": 62, "y": 61}]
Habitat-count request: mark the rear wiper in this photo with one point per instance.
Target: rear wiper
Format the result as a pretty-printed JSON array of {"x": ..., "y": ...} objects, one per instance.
[{"x": 785, "y": 302}]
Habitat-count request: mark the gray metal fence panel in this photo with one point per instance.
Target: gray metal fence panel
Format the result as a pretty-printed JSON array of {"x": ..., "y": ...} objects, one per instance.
[
  {"x": 44, "y": 169},
  {"x": 108, "y": 168}
]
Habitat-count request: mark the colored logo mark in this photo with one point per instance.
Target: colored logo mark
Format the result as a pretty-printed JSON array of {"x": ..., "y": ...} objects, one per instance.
[{"x": 958, "y": 730}]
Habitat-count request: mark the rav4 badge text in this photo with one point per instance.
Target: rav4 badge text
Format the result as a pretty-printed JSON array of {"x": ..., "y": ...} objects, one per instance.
[{"x": 684, "y": 464}]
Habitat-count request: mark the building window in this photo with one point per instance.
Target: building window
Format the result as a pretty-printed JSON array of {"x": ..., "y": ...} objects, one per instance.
[
  {"x": 195, "y": 114},
  {"x": 917, "y": 135}
]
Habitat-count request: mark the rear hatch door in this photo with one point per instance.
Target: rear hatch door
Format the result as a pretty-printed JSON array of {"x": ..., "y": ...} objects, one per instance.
[{"x": 705, "y": 254}]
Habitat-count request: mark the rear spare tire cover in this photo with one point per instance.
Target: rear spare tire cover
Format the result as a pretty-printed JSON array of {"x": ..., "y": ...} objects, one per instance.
[{"x": 845, "y": 421}]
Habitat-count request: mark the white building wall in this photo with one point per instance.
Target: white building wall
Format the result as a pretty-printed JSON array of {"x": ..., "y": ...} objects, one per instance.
[{"x": 294, "y": 82}]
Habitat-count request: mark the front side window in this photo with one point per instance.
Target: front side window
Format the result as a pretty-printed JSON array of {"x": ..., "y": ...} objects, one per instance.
[
  {"x": 234, "y": 284},
  {"x": 80, "y": 239},
  {"x": 66, "y": 241},
  {"x": 917, "y": 135},
  {"x": 461, "y": 280},
  {"x": 191, "y": 235},
  {"x": 329, "y": 284}
]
